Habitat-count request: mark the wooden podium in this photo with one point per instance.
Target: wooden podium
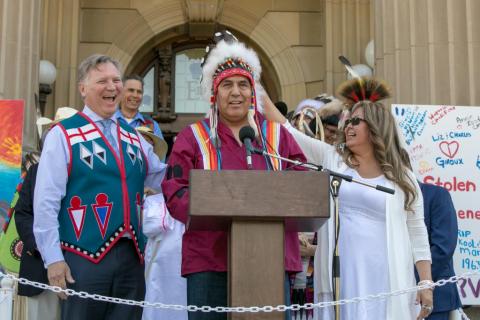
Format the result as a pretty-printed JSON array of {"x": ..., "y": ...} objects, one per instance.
[{"x": 257, "y": 207}]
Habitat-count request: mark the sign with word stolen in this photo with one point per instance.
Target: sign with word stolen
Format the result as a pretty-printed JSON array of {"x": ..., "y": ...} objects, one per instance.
[{"x": 443, "y": 144}]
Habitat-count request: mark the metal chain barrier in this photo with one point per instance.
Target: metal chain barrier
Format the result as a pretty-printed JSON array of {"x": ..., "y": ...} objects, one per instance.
[
  {"x": 253, "y": 309},
  {"x": 463, "y": 315}
]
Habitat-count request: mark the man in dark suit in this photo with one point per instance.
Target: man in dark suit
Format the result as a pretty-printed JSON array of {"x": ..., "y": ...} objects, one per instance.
[
  {"x": 40, "y": 304},
  {"x": 441, "y": 222}
]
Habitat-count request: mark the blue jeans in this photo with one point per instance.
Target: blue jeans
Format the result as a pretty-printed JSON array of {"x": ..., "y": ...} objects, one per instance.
[
  {"x": 210, "y": 289},
  {"x": 207, "y": 289},
  {"x": 288, "y": 299},
  {"x": 439, "y": 316}
]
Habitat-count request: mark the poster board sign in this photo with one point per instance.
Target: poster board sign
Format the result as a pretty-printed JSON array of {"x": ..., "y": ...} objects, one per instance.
[
  {"x": 11, "y": 128},
  {"x": 444, "y": 146}
]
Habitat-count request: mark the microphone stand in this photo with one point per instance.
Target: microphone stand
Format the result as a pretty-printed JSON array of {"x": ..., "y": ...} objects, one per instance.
[
  {"x": 334, "y": 191},
  {"x": 315, "y": 167}
]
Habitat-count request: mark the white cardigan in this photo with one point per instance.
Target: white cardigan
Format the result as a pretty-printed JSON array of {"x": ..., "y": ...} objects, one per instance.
[{"x": 407, "y": 237}]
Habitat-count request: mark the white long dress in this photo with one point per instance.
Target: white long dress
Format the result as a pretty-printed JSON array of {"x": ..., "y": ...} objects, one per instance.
[
  {"x": 163, "y": 259},
  {"x": 406, "y": 239},
  {"x": 362, "y": 225}
]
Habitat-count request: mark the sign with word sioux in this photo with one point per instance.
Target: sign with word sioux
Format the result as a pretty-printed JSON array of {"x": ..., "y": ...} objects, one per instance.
[
  {"x": 11, "y": 125},
  {"x": 443, "y": 144}
]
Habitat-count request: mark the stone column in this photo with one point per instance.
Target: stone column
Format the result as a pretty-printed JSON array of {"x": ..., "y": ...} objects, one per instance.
[
  {"x": 59, "y": 45},
  {"x": 348, "y": 31},
  {"x": 19, "y": 59},
  {"x": 429, "y": 50}
]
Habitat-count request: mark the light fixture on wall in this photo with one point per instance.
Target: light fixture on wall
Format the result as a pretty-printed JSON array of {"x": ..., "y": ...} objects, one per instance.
[
  {"x": 361, "y": 70},
  {"x": 46, "y": 77},
  {"x": 357, "y": 70},
  {"x": 370, "y": 54}
]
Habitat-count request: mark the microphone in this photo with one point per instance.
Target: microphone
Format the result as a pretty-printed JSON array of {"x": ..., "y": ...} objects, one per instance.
[{"x": 246, "y": 135}]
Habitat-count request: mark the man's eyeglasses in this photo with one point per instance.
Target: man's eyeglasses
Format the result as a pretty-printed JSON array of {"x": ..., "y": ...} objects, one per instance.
[{"x": 355, "y": 121}]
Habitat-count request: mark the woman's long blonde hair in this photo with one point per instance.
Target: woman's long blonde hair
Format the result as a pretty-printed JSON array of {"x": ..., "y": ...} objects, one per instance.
[{"x": 383, "y": 134}]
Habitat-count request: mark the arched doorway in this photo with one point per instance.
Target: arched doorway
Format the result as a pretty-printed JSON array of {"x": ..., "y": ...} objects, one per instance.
[{"x": 170, "y": 66}]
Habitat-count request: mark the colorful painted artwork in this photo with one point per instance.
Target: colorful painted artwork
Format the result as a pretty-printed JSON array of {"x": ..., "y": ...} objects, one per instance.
[
  {"x": 11, "y": 128},
  {"x": 11, "y": 245}
]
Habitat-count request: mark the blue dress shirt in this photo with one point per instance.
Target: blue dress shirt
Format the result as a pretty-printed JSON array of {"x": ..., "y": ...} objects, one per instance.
[{"x": 139, "y": 120}]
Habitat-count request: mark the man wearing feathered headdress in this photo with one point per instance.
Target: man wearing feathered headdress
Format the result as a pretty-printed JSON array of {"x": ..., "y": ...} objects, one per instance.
[{"x": 230, "y": 79}]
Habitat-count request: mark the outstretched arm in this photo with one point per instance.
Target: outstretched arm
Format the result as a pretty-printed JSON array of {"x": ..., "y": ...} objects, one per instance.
[{"x": 315, "y": 151}]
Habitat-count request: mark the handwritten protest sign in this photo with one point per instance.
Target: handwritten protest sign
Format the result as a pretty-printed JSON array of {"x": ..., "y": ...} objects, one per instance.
[{"x": 444, "y": 146}]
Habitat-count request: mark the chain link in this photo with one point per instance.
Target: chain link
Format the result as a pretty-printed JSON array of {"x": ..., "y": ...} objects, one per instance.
[
  {"x": 192, "y": 308},
  {"x": 463, "y": 315}
]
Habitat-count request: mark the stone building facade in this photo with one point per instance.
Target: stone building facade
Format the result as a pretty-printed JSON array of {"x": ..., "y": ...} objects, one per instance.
[{"x": 427, "y": 50}]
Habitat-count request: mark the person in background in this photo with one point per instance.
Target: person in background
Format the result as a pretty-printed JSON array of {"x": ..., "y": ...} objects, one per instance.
[
  {"x": 323, "y": 127},
  {"x": 163, "y": 253},
  {"x": 282, "y": 107},
  {"x": 88, "y": 199},
  {"x": 381, "y": 236},
  {"x": 302, "y": 289},
  {"x": 442, "y": 227},
  {"x": 304, "y": 114},
  {"x": 289, "y": 115},
  {"x": 130, "y": 105},
  {"x": 40, "y": 304},
  {"x": 329, "y": 115}
]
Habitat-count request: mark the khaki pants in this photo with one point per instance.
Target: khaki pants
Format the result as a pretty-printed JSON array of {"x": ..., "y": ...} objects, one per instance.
[{"x": 45, "y": 306}]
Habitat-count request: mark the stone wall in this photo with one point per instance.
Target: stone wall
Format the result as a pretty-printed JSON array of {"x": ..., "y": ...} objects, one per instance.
[
  {"x": 429, "y": 50},
  {"x": 19, "y": 59}
]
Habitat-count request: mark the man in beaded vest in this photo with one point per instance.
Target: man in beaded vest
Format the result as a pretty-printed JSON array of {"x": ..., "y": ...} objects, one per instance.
[
  {"x": 231, "y": 75},
  {"x": 88, "y": 197}
]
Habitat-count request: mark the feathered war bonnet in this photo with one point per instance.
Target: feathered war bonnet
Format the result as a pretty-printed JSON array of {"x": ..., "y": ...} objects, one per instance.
[
  {"x": 362, "y": 89},
  {"x": 228, "y": 58}
]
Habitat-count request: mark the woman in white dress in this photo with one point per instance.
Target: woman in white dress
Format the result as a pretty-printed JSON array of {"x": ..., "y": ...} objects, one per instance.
[{"x": 382, "y": 236}]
